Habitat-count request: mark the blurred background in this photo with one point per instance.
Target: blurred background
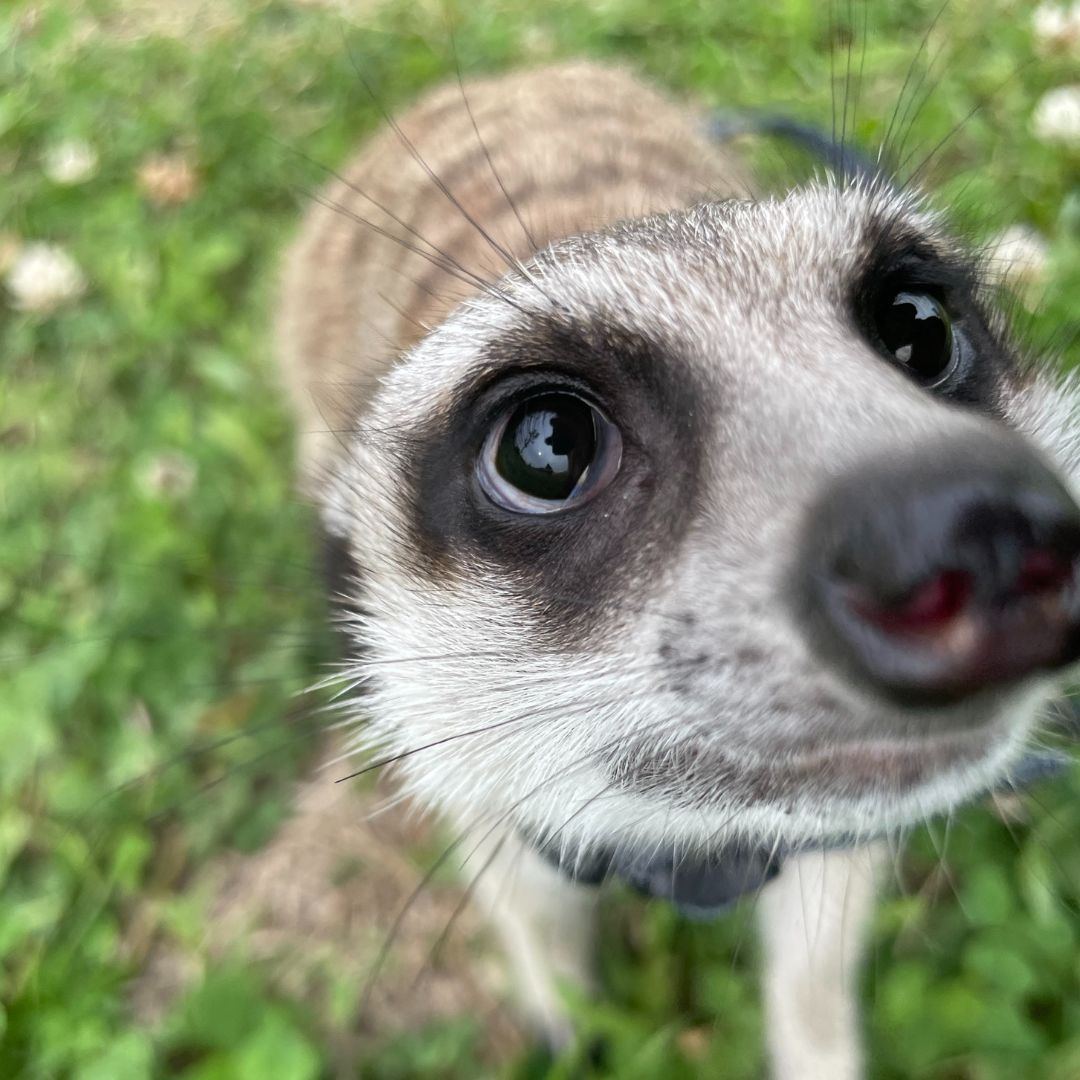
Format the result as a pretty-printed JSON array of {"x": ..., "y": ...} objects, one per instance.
[{"x": 181, "y": 896}]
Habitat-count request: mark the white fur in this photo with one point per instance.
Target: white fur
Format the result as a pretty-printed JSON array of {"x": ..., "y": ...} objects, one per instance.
[{"x": 813, "y": 921}]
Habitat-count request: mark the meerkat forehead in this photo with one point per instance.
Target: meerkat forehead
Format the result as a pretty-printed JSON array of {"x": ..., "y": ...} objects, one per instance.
[{"x": 689, "y": 278}]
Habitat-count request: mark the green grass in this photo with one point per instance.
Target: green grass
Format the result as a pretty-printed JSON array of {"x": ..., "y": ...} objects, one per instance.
[{"x": 150, "y": 638}]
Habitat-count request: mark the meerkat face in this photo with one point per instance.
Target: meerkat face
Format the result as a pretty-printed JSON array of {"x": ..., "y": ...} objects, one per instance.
[{"x": 740, "y": 521}]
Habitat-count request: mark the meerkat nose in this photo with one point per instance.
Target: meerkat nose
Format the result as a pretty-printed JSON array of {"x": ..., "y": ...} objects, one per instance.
[{"x": 938, "y": 576}]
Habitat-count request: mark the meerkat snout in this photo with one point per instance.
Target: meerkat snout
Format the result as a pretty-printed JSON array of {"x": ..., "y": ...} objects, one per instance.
[{"x": 938, "y": 574}]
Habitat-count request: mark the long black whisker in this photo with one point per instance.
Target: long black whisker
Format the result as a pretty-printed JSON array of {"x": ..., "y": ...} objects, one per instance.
[
  {"x": 884, "y": 146},
  {"x": 529, "y": 238},
  {"x": 951, "y": 133},
  {"x": 917, "y": 99},
  {"x": 448, "y": 263},
  {"x": 505, "y": 254},
  {"x": 473, "y": 280},
  {"x": 470, "y": 890},
  {"x": 543, "y": 713},
  {"x": 454, "y": 845},
  {"x": 847, "y": 81}
]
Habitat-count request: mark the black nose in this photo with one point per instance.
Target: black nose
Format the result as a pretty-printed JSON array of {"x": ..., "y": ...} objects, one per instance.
[{"x": 934, "y": 577}]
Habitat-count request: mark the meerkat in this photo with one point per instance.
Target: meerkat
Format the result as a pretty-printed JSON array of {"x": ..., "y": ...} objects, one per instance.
[{"x": 693, "y": 538}]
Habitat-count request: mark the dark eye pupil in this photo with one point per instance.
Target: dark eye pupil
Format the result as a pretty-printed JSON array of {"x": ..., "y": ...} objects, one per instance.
[
  {"x": 548, "y": 445},
  {"x": 916, "y": 330}
]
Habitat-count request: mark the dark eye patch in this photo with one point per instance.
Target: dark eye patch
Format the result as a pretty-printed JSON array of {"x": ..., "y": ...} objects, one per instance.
[
  {"x": 569, "y": 566},
  {"x": 919, "y": 308}
]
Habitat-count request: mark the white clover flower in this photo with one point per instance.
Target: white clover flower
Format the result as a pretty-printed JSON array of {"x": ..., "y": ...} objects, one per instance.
[
  {"x": 1057, "y": 26},
  {"x": 1057, "y": 116},
  {"x": 43, "y": 278},
  {"x": 1019, "y": 255},
  {"x": 73, "y": 161}
]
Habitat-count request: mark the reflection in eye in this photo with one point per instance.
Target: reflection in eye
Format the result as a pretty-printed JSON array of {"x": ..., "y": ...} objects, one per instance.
[
  {"x": 552, "y": 452},
  {"x": 916, "y": 330},
  {"x": 548, "y": 445}
]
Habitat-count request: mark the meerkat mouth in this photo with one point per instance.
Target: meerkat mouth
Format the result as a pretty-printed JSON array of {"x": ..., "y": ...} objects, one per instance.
[{"x": 705, "y": 882}]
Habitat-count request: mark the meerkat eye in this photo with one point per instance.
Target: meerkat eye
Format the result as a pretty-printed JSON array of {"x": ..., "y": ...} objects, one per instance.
[
  {"x": 551, "y": 452},
  {"x": 916, "y": 331}
]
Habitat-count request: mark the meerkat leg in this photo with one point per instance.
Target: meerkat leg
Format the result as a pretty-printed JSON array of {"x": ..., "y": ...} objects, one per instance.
[
  {"x": 546, "y": 924},
  {"x": 813, "y": 922}
]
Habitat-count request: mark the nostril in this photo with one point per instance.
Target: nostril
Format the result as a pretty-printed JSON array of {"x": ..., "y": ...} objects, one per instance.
[
  {"x": 928, "y": 608},
  {"x": 1044, "y": 571},
  {"x": 938, "y": 601}
]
